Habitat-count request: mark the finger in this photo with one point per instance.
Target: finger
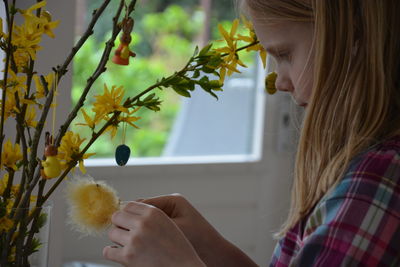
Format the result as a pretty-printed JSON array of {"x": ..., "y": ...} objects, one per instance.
[
  {"x": 113, "y": 253},
  {"x": 124, "y": 219},
  {"x": 138, "y": 208},
  {"x": 118, "y": 236},
  {"x": 167, "y": 203}
]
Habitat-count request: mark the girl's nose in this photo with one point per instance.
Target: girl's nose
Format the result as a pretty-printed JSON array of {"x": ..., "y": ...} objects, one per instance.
[{"x": 283, "y": 83}]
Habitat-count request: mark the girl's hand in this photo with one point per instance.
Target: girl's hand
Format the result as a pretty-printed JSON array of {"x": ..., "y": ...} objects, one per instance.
[
  {"x": 147, "y": 237},
  {"x": 213, "y": 248}
]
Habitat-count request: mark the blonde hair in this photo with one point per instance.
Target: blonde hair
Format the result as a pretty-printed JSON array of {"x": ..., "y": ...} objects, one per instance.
[{"x": 355, "y": 100}]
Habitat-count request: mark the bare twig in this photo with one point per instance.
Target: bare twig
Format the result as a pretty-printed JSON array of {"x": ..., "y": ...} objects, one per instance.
[
  {"x": 34, "y": 227},
  {"x": 99, "y": 70},
  {"x": 39, "y": 128},
  {"x": 10, "y": 21},
  {"x": 89, "y": 31}
]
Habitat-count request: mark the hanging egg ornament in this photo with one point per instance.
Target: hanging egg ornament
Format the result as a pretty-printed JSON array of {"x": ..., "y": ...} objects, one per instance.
[
  {"x": 51, "y": 166},
  {"x": 270, "y": 83},
  {"x": 122, "y": 154}
]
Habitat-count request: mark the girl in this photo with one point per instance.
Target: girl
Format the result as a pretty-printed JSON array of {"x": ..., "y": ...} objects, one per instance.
[{"x": 340, "y": 60}]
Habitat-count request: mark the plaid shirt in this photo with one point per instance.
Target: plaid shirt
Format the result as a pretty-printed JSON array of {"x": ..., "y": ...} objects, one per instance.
[{"x": 355, "y": 224}]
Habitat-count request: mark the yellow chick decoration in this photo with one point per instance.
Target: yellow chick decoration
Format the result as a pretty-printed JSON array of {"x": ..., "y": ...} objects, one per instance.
[
  {"x": 91, "y": 204},
  {"x": 51, "y": 166}
]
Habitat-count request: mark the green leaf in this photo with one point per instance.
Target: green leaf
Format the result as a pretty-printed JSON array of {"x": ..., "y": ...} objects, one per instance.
[
  {"x": 183, "y": 82},
  {"x": 215, "y": 84},
  {"x": 205, "y": 50},
  {"x": 36, "y": 244},
  {"x": 204, "y": 79},
  {"x": 212, "y": 93},
  {"x": 181, "y": 91},
  {"x": 172, "y": 80},
  {"x": 191, "y": 85},
  {"x": 149, "y": 97},
  {"x": 207, "y": 69},
  {"x": 215, "y": 61},
  {"x": 196, "y": 74},
  {"x": 196, "y": 51},
  {"x": 42, "y": 220}
]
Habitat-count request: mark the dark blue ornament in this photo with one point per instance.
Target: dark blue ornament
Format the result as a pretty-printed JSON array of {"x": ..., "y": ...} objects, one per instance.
[{"x": 122, "y": 154}]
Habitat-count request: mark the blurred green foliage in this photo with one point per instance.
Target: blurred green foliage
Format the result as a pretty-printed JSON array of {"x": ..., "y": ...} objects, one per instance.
[{"x": 163, "y": 39}]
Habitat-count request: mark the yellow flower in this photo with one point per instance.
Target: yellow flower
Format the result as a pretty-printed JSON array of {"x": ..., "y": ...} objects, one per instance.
[
  {"x": 3, "y": 183},
  {"x": 40, "y": 92},
  {"x": 11, "y": 154},
  {"x": 13, "y": 192},
  {"x": 126, "y": 118},
  {"x": 229, "y": 37},
  {"x": 49, "y": 26},
  {"x": 231, "y": 59},
  {"x": 2, "y": 34},
  {"x": 27, "y": 38},
  {"x": 69, "y": 150},
  {"x": 10, "y": 106},
  {"x": 28, "y": 12},
  {"x": 91, "y": 123},
  {"x": 130, "y": 119},
  {"x": 109, "y": 101},
  {"x": 252, "y": 34},
  {"x": 30, "y": 116},
  {"x": 16, "y": 83},
  {"x": 5, "y": 224},
  {"x": 252, "y": 38},
  {"x": 113, "y": 128},
  {"x": 21, "y": 58}
]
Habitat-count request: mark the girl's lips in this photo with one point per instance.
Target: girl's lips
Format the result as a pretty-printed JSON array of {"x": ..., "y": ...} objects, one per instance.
[{"x": 303, "y": 105}]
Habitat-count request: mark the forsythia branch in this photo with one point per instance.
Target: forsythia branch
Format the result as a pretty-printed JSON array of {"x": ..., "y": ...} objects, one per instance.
[{"x": 99, "y": 70}]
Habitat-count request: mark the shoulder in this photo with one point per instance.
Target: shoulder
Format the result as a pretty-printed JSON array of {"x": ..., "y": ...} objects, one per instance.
[
  {"x": 371, "y": 173},
  {"x": 372, "y": 179},
  {"x": 358, "y": 221}
]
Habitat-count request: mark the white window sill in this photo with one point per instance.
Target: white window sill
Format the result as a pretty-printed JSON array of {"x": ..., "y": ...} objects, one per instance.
[{"x": 107, "y": 162}]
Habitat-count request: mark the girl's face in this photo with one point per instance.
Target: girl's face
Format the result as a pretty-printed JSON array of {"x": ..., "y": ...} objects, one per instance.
[{"x": 290, "y": 44}]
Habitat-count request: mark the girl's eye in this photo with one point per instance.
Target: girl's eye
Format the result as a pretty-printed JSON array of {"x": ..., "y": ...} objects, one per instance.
[{"x": 284, "y": 56}]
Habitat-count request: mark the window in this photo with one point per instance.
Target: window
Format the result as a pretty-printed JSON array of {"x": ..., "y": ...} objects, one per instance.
[{"x": 196, "y": 129}]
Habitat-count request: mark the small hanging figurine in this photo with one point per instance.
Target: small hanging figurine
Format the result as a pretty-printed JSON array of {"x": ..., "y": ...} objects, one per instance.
[
  {"x": 123, "y": 53},
  {"x": 51, "y": 166}
]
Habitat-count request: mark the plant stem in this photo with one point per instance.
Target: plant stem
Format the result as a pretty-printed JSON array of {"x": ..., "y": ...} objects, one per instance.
[
  {"x": 34, "y": 228},
  {"x": 7, "y": 191},
  {"x": 10, "y": 22},
  {"x": 39, "y": 128}
]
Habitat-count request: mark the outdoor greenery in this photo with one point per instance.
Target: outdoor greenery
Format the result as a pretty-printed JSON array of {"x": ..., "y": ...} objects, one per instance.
[{"x": 164, "y": 37}]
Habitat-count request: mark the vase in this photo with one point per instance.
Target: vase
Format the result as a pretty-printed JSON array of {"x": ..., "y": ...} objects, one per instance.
[
  {"x": 40, "y": 258},
  {"x": 40, "y": 240}
]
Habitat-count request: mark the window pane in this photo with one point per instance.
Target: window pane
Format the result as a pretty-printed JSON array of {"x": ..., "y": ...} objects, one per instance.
[{"x": 164, "y": 37}]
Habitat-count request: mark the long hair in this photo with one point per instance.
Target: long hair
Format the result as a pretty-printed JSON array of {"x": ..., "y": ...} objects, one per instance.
[{"x": 355, "y": 100}]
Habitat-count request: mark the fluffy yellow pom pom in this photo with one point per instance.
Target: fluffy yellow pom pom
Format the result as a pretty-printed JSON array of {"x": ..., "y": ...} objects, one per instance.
[{"x": 91, "y": 204}]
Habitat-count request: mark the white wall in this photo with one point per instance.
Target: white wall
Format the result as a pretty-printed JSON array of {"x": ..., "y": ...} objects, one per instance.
[{"x": 245, "y": 201}]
